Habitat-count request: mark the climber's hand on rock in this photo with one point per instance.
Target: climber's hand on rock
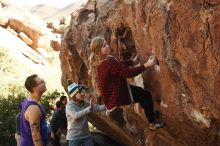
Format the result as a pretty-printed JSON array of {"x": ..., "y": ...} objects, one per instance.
[
  {"x": 151, "y": 62},
  {"x": 136, "y": 59}
]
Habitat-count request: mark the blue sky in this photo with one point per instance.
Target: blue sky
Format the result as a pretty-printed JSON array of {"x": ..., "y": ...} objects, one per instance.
[{"x": 55, "y": 3}]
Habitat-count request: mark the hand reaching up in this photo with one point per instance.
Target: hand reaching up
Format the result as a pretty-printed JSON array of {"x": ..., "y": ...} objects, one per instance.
[
  {"x": 91, "y": 103},
  {"x": 151, "y": 62},
  {"x": 136, "y": 59}
]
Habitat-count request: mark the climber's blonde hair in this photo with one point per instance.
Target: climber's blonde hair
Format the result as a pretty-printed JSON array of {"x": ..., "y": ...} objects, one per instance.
[
  {"x": 96, "y": 45},
  {"x": 95, "y": 59}
]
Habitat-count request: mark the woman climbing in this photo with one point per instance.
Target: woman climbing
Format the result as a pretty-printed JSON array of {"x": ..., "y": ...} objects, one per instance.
[{"x": 110, "y": 75}]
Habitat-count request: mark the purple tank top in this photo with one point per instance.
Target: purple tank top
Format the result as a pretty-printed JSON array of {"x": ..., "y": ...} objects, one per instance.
[{"x": 26, "y": 137}]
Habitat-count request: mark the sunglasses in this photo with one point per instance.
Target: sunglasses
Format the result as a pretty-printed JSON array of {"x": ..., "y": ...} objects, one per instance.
[
  {"x": 42, "y": 81},
  {"x": 81, "y": 90}
]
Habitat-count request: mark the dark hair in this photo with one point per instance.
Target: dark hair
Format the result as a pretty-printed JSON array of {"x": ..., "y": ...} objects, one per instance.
[
  {"x": 69, "y": 82},
  {"x": 30, "y": 82},
  {"x": 58, "y": 104},
  {"x": 62, "y": 98}
]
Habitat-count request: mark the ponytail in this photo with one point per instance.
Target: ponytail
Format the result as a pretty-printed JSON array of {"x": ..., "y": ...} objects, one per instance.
[{"x": 94, "y": 60}]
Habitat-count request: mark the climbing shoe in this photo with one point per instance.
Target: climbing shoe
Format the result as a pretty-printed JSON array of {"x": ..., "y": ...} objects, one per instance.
[
  {"x": 151, "y": 126},
  {"x": 159, "y": 125},
  {"x": 156, "y": 125}
]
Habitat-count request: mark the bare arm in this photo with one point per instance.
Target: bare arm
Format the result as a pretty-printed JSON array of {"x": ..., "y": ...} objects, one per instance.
[{"x": 32, "y": 115}]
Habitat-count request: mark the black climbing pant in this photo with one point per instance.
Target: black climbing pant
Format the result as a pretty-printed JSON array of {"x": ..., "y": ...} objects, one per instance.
[{"x": 144, "y": 98}]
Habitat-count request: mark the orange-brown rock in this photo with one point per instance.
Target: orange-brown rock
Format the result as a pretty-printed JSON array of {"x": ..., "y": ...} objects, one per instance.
[
  {"x": 56, "y": 44},
  {"x": 12, "y": 31},
  {"x": 44, "y": 41},
  {"x": 65, "y": 20},
  {"x": 43, "y": 52},
  {"x": 19, "y": 47},
  {"x": 25, "y": 38},
  {"x": 53, "y": 24},
  {"x": 3, "y": 18},
  {"x": 185, "y": 37},
  {"x": 23, "y": 21},
  {"x": 5, "y": 3},
  {"x": 58, "y": 26}
]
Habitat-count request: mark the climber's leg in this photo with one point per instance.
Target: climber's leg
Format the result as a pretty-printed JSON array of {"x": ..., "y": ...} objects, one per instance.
[{"x": 144, "y": 98}]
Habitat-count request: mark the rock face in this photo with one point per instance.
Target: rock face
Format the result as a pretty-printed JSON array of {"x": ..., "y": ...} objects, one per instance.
[
  {"x": 22, "y": 21},
  {"x": 30, "y": 28},
  {"x": 185, "y": 37},
  {"x": 19, "y": 47}
]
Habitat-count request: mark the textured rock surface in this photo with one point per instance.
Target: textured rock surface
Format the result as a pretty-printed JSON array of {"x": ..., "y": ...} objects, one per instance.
[
  {"x": 36, "y": 32},
  {"x": 184, "y": 36},
  {"x": 22, "y": 21},
  {"x": 25, "y": 38},
  {"x": 3, "y": 19},
  {"x": 19, "y": 47}
]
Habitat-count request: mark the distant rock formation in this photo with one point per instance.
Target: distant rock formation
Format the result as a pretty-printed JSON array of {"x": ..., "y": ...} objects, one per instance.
[
  {"x": 12, "y": 43},
  {"x": 185, "y": 37},
  {"x": 30, "y": 29},
  {"x": 27, "y": 46},
  {"x": 48, "y": 13}
]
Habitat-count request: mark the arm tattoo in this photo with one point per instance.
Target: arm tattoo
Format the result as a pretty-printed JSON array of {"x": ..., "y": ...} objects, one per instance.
[
  {"x": 35, "y": 130},
  {"x": 35, "y": 127},
  {"x": 37, "y": 140}
]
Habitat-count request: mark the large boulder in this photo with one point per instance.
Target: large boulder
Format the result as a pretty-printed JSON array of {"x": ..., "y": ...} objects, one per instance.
[
  {"x": 5, "y": 3},
  {"x": 22, "y": 21},
  {"x": 12, "y": 31},
  {"x": 31, "y": 29},
  {"x": 58, "y": 26},
  {"x": 55, "y": 43},
  {"x": 25, "y": 38},
  {"x": 184, "y": 36},
  {"x": 3, "y": 18},
  {"x": 20, "y": 48}
]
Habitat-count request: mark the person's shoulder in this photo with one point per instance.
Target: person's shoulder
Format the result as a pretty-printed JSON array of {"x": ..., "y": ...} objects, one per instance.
[
  {"x": 109, "y": 60},
  {"x": 57, "y": 112},
  {"x": 33, "y": 106},
  {"x": 33, "y": 109},
  {"x": 71, "y": 105},
  {"x": 68, "y": 104}
]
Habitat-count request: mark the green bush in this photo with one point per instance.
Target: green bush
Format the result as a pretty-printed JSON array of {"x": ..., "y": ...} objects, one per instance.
[
  {"x": 48, "y": 100},
  {"x": 9, "y": 99},
  {"x": 7, "y": 62}
]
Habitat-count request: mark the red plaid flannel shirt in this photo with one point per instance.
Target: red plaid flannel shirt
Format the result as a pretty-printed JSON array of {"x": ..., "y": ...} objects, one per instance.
[{"x": 112, "y": 83}]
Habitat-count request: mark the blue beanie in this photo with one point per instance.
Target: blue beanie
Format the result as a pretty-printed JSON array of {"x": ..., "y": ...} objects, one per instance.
[{"x": 73, "y": 89}]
